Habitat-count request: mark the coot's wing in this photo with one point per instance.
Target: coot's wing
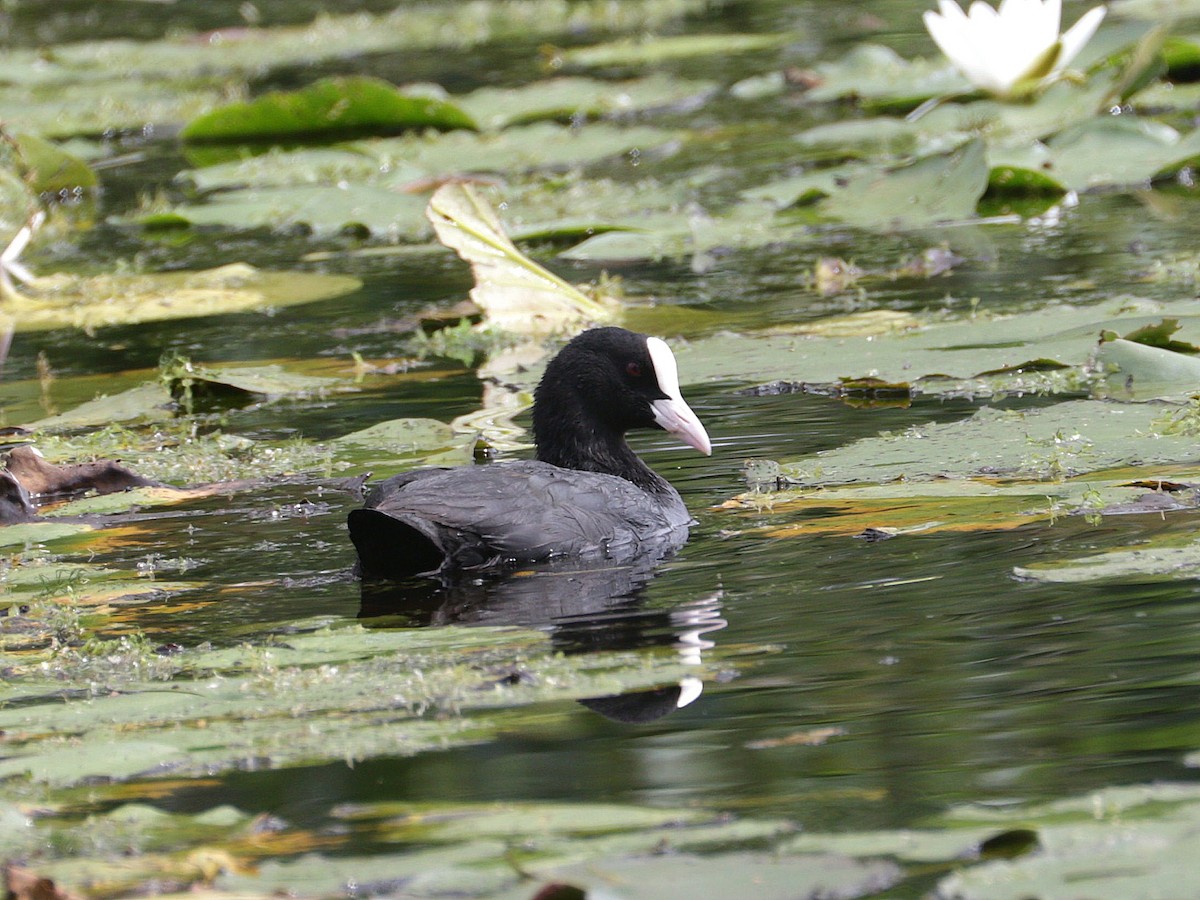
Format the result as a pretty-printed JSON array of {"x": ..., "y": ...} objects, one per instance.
[{"x": 523, "y": 511}]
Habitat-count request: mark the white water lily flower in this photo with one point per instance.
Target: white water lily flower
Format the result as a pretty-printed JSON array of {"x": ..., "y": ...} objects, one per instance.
[{"x": 1012, "y": 50}]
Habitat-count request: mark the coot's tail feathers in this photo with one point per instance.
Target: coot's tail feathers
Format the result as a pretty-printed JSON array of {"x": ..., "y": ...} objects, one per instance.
[{"x": 390, "y": 547}]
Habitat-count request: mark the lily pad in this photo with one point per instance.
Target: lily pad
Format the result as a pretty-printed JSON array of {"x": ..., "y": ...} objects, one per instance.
[
  {"x": 937, "y": 188},
  {"x": 403, "y": 442},
  {"x": 198, "y": 386},
  {"x": 396, "y": 163},
  {"x": 50, "y": 169},
  {"x": 97, "y": 301},
  {"x": 879, "y": 74},
  {"x": 574, "y": 99},
  {"x": 1143, "y": 846},
  {"x": 1141, "y": 564},
  {"x": 329, "y": 108},
  {"x": 1137, "y": 371},
  {"x": 652, "y": 50},
  {"x": 1062, "y": 441},
  {"x": 1111, "y": 151},
  {"x": 936, "y": 357},
  {"x": 933, "y": 189},
  {"x": 206, "y": 710}
]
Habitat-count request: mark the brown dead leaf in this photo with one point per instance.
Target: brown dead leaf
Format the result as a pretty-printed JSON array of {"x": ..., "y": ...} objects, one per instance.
[{"x": 23, "y": 884}]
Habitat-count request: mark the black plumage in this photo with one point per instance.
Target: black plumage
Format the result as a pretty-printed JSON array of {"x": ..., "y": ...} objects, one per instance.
[{"x": 586, "y": 494}]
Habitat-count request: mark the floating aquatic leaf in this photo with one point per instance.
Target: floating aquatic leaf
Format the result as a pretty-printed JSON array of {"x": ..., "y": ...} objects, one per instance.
[
  {"x": 249, "y": 51},
  {"x": 147, "y": 402},
  {"x": 331, "y": 107},
  {"x": 574, "y": 100},
  {"x": 407, "y": 164},
  {"x": 933, "y": 189},
  {"x": 1116, "y": 843},
  {"x": 51, "y": 170},
  {"x": 937, "y": 357},
  {"x": 89, "y": 101},
  {"x": 1060, "y": 441},
  {"x": 516, "y": 293},
  {"x": 405, "y": 442},
  {"x": 175, "y": 715},
  {"x": 1105, "y": 152},
  {"x": 72, "y": 301},
  {"x": 879, "y": 74},
  {"x": 381, "y": 185},
  {"x": 323, "y": 208},
  {"x": 768, "y": 876},
  {"x": 1009, "y": 181},
  {"x": 198, "y": 386},
  {"x": 1152, "y": 563},
  {"x": 1136, "y": 370},
  {"x": 649, "y": 51}
]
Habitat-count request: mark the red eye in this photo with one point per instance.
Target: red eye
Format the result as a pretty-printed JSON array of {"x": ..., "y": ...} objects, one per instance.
[{"x": 633, "y": 370}]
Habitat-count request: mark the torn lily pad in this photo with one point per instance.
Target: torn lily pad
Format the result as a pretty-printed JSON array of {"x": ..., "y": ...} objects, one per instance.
[{"x": 515, "y": 293}]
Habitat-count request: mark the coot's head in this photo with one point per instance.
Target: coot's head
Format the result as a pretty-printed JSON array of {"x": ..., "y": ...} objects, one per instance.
[{"x": 602, "y": 384}]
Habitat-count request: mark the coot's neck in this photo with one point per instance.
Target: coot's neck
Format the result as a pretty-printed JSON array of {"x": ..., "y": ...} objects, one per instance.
[{"x": 575, "y": 445}]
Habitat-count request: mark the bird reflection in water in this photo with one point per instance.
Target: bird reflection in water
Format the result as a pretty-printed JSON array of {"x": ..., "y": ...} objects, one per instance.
[{"x": 585, "y": 606}]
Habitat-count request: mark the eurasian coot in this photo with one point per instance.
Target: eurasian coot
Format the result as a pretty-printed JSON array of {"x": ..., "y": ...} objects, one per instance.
[{"x": 586, "y": 494}]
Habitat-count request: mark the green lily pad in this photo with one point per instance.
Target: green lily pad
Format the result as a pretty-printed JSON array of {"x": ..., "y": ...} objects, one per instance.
[
  {"x": 381, "y": 185},
  {"x": 1062, "y": 441},
  {"x": 246, "y": 51},
  {"x": 941, "y": 187},
  {"x": 395, "y": 163},
  {"x": 1141, "y": 564},
  {"x": 880, "y": 75},
  {"x": 198, "y": 385},
  {"x": 573, "y": 99},
  {"x": 1105, "y": 152},
  {"x": 767, "y": 876},
  {"x": 935, "y": 357},
  {"x": 71, "y": 301},
  {"x": 329, "y": 108},
  {"x": 1142, "y": 846},
  {"x": 933, "y": 189},
  {"x": 1009, "y": 181},
  {"x": 147, "y": 402},
  {"x": 1136, "y": 371},
  {"x": 89, "y": 102},
  {"x": 322, "y": 208},
  {"x": 315, "y": 698},
  {"x": 652, "y": 50},
  {"x": 396, "y": 442},
  {"x": 50, "y": 169}
]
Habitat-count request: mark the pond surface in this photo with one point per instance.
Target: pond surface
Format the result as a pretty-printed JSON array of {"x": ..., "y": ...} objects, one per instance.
[{"x": 851, "y": 684}]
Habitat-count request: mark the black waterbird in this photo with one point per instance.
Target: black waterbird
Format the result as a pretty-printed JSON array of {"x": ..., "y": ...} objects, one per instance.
[{"x": 586, "y": 494}]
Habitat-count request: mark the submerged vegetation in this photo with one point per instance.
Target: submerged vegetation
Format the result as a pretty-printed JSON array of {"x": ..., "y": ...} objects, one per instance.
[{"x": 805, "y": 197}]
